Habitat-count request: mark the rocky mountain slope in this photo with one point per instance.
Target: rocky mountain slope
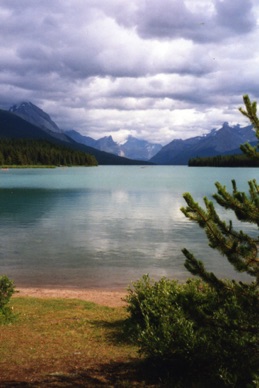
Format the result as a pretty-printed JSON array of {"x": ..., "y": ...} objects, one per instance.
[
  {"x": 223, "y": 141},
  {"x": 34, "y": 115}
]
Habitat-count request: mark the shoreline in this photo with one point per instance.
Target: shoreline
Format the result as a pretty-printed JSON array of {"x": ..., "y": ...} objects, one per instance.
[{"x": 104, "y": 297}]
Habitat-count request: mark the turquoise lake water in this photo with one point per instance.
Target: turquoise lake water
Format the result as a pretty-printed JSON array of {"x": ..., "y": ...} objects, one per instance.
[{"x": 104, "y": 227}]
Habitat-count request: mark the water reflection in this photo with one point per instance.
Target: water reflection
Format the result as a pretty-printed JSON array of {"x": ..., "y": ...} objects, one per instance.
[{"x": 91, "y": 228}]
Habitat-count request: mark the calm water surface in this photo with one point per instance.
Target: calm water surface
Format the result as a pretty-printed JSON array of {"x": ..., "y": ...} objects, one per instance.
[{"x": 105, "y": 226}]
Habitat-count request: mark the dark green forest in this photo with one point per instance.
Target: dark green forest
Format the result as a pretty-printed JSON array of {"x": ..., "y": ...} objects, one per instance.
[
  {"x": 25, "y": 152},
  {"x": 224, "y": 161}
]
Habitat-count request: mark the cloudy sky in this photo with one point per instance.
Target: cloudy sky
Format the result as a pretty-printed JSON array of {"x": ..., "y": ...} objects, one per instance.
[{"x": 155, "y": 69}]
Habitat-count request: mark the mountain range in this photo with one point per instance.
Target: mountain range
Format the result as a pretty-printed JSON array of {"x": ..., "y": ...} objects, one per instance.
[
  {"x": 26, "y": 120},
  {"x": 223, "y": 141},
  {"x": 133, "y": 148}
]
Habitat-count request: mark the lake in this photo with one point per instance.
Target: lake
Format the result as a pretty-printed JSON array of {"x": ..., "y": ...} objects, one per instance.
[{"x": 106, "y": 226}]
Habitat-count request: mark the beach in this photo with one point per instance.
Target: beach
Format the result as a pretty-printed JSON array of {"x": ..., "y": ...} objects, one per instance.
[{"x": 110, "y": 298}]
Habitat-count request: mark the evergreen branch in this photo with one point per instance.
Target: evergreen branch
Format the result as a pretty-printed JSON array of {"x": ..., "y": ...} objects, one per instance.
[
  {"x": 239, "y": 248},
  {"x": 246, "y": 209},
  {"x": 251, "y": 113},
  {"x": 250, "y": 151},
  {"x": 254, "y": 192},
  {"x": 196, "y": 267}
]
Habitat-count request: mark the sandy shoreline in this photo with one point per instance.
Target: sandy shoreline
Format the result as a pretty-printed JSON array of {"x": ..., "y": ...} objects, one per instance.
[{"x": 109, "y": 298}]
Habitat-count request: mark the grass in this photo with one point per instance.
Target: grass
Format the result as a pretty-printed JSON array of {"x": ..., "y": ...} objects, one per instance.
[
  {"x": 68, "y": 343},
  {"x": 6, "y": 167}
]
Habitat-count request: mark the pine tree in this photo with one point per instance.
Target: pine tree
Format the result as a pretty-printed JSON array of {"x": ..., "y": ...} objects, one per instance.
[
  {"x": 240, "y": 249},
  {"x": 232, "y": 323}
]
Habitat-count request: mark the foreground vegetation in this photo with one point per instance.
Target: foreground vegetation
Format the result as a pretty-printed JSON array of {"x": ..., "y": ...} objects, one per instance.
[
  {"x": 61, "y": 342},
  {"x": 68, "y": 343},
  {"x": 25, "y": 152},
  {"x": 208, "y": 328},
  {"x": 7, "y": 289},
  {"x": 200, "y": 337}
]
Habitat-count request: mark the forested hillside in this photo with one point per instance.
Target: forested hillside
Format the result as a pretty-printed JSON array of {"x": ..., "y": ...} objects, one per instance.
[{"x": 40, "y": 152}]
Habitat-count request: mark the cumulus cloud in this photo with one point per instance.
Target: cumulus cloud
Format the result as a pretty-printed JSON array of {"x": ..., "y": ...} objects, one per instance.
[{"x": 155, "y": 70}]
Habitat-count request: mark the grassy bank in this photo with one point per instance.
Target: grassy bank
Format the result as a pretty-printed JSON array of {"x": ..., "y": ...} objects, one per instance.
[
  {"x": 6, "y": 167},
  {"x": 68, "y": 342}
]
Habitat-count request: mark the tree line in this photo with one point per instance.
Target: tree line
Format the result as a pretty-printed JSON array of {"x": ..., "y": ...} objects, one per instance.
[
  {"x": 40, "y": 152},
  {"x": 223, "y": 161}
]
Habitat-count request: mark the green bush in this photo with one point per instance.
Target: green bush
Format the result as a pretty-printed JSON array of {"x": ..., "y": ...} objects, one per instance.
[
  {"x": 201, "y": 336},
  {"x": 7, "y": 289}
]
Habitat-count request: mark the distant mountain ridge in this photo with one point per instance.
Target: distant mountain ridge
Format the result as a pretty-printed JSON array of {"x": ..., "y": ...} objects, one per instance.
[
  {"x": 133, "y": 148},
  {"x": 13, "y": 126},
  {"x": 223, "y": 141}
]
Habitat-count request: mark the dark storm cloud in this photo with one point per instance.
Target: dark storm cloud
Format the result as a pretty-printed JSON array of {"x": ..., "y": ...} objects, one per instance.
[
  {"x": 149, "y": 68},
  {"x": 235, "y": 16},
  {"x": 174, "y": 19}
]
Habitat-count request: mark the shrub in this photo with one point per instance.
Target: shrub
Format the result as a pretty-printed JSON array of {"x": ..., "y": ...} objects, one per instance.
[
  {"x": 198, "y": 334},
  {"x": 7, "y": 289}
]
